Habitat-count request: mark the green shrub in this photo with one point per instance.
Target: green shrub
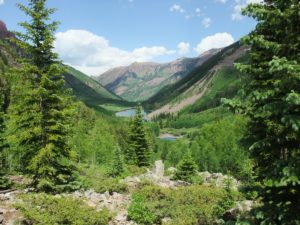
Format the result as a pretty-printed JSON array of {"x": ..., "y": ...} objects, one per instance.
[
  {"x": 42, "y": 209},
  {"x": 190, "y": 205},
  {"x": 186, "y": 169},
  {"x": 139, "y": 211},
  {"x": 110, "y": 185},
  {"x": 97, "y": 178}
]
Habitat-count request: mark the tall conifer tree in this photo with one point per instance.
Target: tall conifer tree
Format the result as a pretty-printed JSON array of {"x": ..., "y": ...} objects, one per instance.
[
  {"x": 138, "y": 146},
  {"x": 4, "y": 182},
  {"x": 40, "y": 107},
  {"x": 273, "y": 107}
]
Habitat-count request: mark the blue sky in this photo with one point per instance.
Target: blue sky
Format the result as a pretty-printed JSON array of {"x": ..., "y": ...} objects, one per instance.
[{"x": 96, "y": 35}]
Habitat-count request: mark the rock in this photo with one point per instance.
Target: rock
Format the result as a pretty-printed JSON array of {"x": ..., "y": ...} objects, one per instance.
[
  {"x": 218, "y": 179},
  {"x": 107, "y": 195},
  {"x": 166, "y": 220},
  {"x": 171, "y": 169},
  {"x": 240, "y": 208},
  {"x": 159, "y": 168}
]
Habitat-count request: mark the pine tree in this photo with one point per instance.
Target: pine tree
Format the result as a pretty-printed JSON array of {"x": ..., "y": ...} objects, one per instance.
[
  {"x": 118, "y": 166},
  {"x": 130, "y": 157},
  {"x": 186, "y": 169},
  {"x": 4, "y": 182},
  {"x": 273, "y": 107},
  {"x": 138, "y": 143},
  {"x": 40, "y": 107}
]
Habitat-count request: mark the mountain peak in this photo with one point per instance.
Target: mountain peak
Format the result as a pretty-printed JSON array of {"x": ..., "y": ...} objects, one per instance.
[{"x": 4, "y": 33}]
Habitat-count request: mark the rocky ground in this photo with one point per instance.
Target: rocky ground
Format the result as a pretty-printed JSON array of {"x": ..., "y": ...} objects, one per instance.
[{"x": 119, "y": 203}]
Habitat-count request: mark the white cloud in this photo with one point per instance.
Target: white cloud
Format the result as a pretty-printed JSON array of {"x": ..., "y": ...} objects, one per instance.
[
  {"x": 93, "y": 54},
  {"x": 198, "y": 11},
  {"x": 206, "y": 22},
  {"x": 177, "y": 8},
  {"x": 183, "y": 48},
  {"x": 218, "y": 40},
  {"x": 239, "y": 5},
  {"x": 1, "y": 2}
]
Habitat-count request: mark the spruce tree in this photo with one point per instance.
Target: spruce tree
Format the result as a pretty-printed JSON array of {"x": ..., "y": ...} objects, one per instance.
[
  {"x": 273, "y": 107},
  {"x": 186, "y": 169},
  {"x": 40, "y": 108},
  {"x": 118, "y": 166},
  {"x": 4, "y": 182},
  {"x": 138, "y": 143},
  {"x": 130, "y": 157}
]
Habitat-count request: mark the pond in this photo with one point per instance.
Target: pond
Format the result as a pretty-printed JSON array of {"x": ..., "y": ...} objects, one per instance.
[
  {"x": 169, "y": 137},
  {"x": 128, "y": 113}
]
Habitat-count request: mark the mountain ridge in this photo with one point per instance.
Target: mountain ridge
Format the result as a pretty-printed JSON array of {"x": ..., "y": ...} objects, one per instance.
[
  {"x": 190, "y": 89},
  {"x": 141, "y": 80}
]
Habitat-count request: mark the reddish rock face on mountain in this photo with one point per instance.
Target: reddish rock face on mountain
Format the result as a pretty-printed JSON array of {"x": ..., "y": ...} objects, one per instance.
[
  {"x": 141, "y": 80},
  {"x": 4, "y": 33}
]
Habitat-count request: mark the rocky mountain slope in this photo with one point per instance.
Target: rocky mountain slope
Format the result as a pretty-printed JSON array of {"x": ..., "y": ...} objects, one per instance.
[
  {"x": 195, "y": 85},
  {"x": 139, "y": 81},
  {"x": 4, "y": 33}
]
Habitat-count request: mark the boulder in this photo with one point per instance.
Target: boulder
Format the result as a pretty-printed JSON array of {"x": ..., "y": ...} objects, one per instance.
[
  {"x": 171, "y": 169},
  {"x": 159, "y": 168},
  {"x": 240, "y": 208}
]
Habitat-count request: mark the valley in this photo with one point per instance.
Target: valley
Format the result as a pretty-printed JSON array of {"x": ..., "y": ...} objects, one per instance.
[{"x": 209, "y": 138}]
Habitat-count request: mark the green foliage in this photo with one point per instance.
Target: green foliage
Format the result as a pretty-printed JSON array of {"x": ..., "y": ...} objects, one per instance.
[
  {"x": 4, "y": 92},
  {"x": 118, "y": 165},
  {"x": 186, "y": 169},
  {"x": 188, "y": 120},
  {"x": 41, "y": 107},
  {"x": 272, "y": 105},
  {"x": 140, "y": 212},
  {"x": 138, "y": 151},
  {"x": 42, "y": 209},
  {"x": 217, "y": 148},
  {"x": 90, "y": 91},
  {"x": 93, "y": 137},
  {"x": 184, "y": 206},
  {"x": 97, "y": 178}
]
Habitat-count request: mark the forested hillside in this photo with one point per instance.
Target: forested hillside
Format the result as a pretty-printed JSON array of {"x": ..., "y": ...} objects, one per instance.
[
  {"x": 197, "y": 83},
  {"x": 83, "y": 87}
]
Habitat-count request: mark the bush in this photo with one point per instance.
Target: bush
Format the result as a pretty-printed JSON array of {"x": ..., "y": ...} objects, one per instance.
[
  {"x": 111, "y": 185},
  {"x": 184, "y": 206},
  {"x": 97, "y": 178},
  {"x": 42, "y": 209}
]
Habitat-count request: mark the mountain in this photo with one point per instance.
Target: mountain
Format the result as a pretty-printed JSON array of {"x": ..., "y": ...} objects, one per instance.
[
  {"x": 217, "y": 75},
  {"x": 90, "y": 91},
  {"x": 4, "y": 33},
  {"x": 84, "y": 88},
  {"x": 140, "y": 81}
]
